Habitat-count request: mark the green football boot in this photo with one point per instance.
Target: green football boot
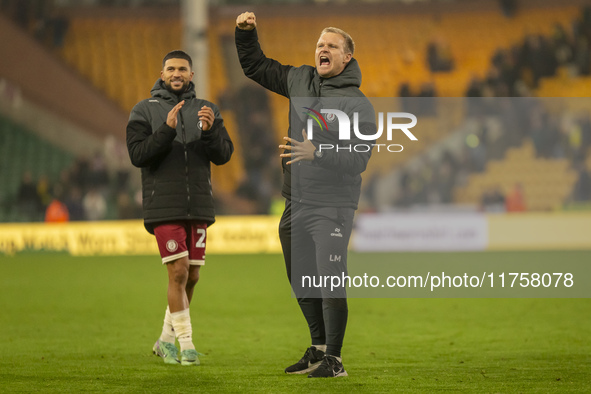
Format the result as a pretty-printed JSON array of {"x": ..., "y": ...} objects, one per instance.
[
  {"x": 167, "y": 351},
  {"x": 189, "y": 357}
]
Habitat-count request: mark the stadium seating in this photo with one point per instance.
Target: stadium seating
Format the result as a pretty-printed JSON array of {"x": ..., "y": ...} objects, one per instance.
[
  {"x": 121, "y": 56},
  {"x": 227, "y": 177},
  {"x": 391, "y": 55},
  {"x": 546, "y": 183},
  {"x": 100, "y": 49},
  {"x": 563, "y": 85}
]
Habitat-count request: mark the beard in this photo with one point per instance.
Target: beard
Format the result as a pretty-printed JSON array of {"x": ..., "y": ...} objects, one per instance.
[{"x": 180, "y": 90}]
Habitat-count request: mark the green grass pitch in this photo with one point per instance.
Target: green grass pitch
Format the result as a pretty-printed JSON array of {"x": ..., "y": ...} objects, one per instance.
[{"x": 73, "y": 324}]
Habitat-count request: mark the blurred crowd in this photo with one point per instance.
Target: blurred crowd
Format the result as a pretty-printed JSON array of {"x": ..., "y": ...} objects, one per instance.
[
  {"x": 45, "y": 20},
  {"x": 515, "y": 71},
  {"x": 258, "y": 144},
  {"x": 89, "y": 190},
  {"x": 433, "y": 179},
  {"x": 38, "y": 17},
  {"x": 512, "y": 76},
  {"x": 86, "y": 190}
]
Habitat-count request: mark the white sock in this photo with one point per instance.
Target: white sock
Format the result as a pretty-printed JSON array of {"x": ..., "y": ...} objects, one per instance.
[
  {"x": 320, "y": 347},
  {"x": 167, "y": 330},
  {"x": 181, "y": 322}
]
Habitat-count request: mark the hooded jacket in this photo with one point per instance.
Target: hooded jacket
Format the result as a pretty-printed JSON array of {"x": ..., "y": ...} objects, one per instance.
[
  {"x": 335, "y": 178},
  {"x": 175, "y": 163}
]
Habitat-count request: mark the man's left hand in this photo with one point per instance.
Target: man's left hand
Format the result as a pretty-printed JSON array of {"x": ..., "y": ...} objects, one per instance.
[
  {"x": 299, "y": 150},
  {"x": 206, "y": 116}
]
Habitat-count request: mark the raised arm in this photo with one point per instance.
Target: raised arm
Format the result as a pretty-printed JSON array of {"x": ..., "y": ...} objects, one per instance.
[{"x": 267, "y": 72}]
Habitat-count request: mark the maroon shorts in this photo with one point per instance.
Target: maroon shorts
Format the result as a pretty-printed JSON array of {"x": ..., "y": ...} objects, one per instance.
[{"x": 180, "y": 239}]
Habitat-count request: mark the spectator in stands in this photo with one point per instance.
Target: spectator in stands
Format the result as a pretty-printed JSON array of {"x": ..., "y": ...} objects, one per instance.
[
  {"x": 408, "y": 100},
  {"x": 417, "y": 188},
  {"x": 508, "y": 7},
  {"x": 118, "y": 162},
  {"x": 513, "y": 122},
  {"x": 99, "y": 176},
  {"x": 582, "y": 25},
  {"x": 493, "y": 200},
  {"x": 369, "y": 192},
  {"x": 447, "y": 178},
  {"x": 428, "y": 105},
  {"x": 44, "y": 191},
  {"x": 95, "y": 204},
  {"x": 570, "y": 139},
  {"x": 582, "y": 188},
  {"x": 474, "y": 87},
  {"x": 539, "y": 58},
  {"x": 404, "y": 198},
  {"x": 582, "y": 56},
  {"x": 585, "y": 122},
  {"x": 58, "y": 27},
  {"x": 56, "y": 211},
  {"x": 463, "y": 166},
  {"x": 252, "y": 112},
  {"x": 40, "y": 19},
  {"x": 508, "y": 72},
  {"x": 543, "y": 132},
  {"x": 562, "y": 44},
  {"x": 28, "y": 201},
  {"x": 74, "y": 204},
  {"x": 404, "y": 90},
  {"x": 80, "y": 174},
  {"x": 515, "y": 201},
  {"x": 474, "y": 106},
  {"x": 127, "y": 208},
  {"x": 439, "y": 56},
  {"x": 404, "y": 93},
  {"x": 479, "y": 145},
  {"x": 442, "y": 183},
  {"x": 22, "y": 13}
]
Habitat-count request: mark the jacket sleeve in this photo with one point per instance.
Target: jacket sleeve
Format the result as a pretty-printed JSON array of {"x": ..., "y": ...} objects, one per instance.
[
  {"x": 143, "y": 145},
  {"x": 218, "y": 145},
  {"x": 267, "y": 72},
  {"x": 347, "y": 159}
]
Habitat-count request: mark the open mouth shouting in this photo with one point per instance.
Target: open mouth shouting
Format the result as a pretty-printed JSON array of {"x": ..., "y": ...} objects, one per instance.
[{"x": 324, "y": 62}]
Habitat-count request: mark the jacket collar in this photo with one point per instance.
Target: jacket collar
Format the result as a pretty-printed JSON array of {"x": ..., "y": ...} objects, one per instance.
[{"x": 350, "y": 77}]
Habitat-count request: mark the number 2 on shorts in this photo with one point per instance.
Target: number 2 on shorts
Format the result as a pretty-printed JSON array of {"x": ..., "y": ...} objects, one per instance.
[{"x": 201, "y": 232}]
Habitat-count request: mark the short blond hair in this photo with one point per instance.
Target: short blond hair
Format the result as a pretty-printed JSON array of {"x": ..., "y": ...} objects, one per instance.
[{"x": 349, "y": 43}]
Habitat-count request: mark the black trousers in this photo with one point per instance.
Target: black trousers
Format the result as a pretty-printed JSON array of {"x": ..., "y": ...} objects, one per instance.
[{"x": 315, "y": 241}]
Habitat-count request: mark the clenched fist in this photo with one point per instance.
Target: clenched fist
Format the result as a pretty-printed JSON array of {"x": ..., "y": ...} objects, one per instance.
[{"x": 246, "y": 21}]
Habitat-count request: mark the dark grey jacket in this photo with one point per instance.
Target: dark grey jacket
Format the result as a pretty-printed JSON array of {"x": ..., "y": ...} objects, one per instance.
[
  {"x": 334, "y": 179},
  {"x": 175, "y": 164}
]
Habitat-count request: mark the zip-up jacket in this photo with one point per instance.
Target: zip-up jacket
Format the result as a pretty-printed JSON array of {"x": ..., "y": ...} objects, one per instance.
[
  {"x": 175, "y": 163},
  {"x": 335, "y": 178}
]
